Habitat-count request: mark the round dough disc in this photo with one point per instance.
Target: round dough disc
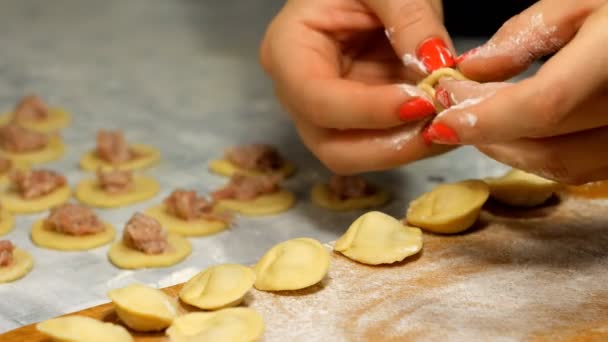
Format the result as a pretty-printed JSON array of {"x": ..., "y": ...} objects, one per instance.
[
  {"x": 53, "y": 151},
  {"x": 226, "y": 168},
  {"x": 7, "y": 222},
  {"x": 218, "y": 287},
  {"x": 89, "y": 192},
  {"x": 292, "y": 265},
  {"x": 321, "y": 196},
  {"x": 13, "y": 201},
  {"x": 47, "y": 238},
  {"x": 22, "y": 264},
  {"x": 124, "y": 257},
  {"x": 376, "y": 238},
  {"x": 226, "y": 325},
  {"x": 264, "y": 205},
  {"x": 176, "y": 225},
  {"x": 81, "y": 328},
  {"x": 449, "y": 208},
  {"x": 143, "y": 308},
  {"x": 17, "y": 165},
  {"x": 148, "y": 156},
  {"x": 58, "y": 119}
]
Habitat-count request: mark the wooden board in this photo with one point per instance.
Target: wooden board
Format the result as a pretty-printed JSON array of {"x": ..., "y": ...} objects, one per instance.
[{"x": 521, "y": 275}]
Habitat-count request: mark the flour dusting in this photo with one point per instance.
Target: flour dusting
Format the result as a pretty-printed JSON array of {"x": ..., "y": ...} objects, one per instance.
[
  {"x": 412, "y": 90},
  {"x": 469, "y": 118},
  {"x": 464, "y": 104},
  {"x": 410, "y": 60}
]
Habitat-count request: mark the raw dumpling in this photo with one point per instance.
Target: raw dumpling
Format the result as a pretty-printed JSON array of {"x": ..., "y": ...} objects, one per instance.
[
  {"x": 521, "y": 189},
  {"x": 143, "y": 308},
  {"x": 83, "y": 329},
  {"x": 226, "y": 325}
]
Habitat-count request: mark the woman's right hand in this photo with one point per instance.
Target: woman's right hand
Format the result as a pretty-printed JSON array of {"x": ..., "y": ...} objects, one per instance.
[{"x": 341, "y": 78}]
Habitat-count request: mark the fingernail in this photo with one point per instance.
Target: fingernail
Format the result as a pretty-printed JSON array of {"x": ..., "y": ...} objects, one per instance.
[
  {"x": 443, "y": 97},
  {"x": 467, "y": 54},
  {"x": 428, "y": 140},
  {"x": 441, "y": 133},
  {"x": 416, "y": 109},
  {"x": 434, "y": 54}
]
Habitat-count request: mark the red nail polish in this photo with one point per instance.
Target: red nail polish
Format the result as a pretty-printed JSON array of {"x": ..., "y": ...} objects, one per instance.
[
  {"x": 443, "y": 134},
  {"x": 416, "y": 109},
  {"x": 434, "y": 54},
  {"x": 428, "y": 140},
  {"x": 443, "y": 97},
  {"x": 467, "y": 54}
]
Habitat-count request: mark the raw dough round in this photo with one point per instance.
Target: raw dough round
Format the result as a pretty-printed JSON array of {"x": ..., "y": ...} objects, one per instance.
[
  {"x": 149, "y": 156},
  {"x": 22, "y": 264},
  {"x": 376, "y": 238},
  {"x": 521, "y": 189},
  {"x": 13, "y": 202},
  {"x": 292, "y": 265},
  {"x": 226, "y": 325},
  {"x": 428, "y": 83},
  {"x": 143, "y": 308},
  {"x": 47, "y": 238},
  {"x": 449, "y": 208},
  {"x": 226, "y": 168},
  {"x": 89, "y": 192},
  {"x": 264, "y": 205},
  {"x": 7, "y": 222},
  {"x": 124, "y": 257},
  {"x": 83, "y": 329},
  {"x": 17, "y": 165},
  {"x": 50, "y": 152},
  {"x": 321, "y": 196},
  {"x": 58, "y": 118},
  {"x": 218, "y": 287},
  {"x": 176, "y": 225}
]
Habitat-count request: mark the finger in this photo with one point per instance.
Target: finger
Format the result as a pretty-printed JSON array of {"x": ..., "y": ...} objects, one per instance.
[
  {"x": 451, "y": 92},
  {"x": 570, "y": 159},
  {"x": 560, "y": 97},
  {"x": 416, "y": 32},
  {"x": 357, "y": 151},
  {"x": 541, "y": 29}
]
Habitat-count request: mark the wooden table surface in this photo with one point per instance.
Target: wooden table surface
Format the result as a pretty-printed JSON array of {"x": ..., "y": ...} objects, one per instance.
[{"x": 537, "y": 274}]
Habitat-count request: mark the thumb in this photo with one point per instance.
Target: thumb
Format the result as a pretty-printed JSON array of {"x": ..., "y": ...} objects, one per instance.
[
  {"x": 540, "y": 30},
  {"x": 452, "y": 92},
  {"x": 416, "y": 32}
]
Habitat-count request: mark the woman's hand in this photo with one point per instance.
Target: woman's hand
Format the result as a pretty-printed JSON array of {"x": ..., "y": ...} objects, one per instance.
[
  {"x": 555, "y": 123},
  {"x": 340, "y": 75}
]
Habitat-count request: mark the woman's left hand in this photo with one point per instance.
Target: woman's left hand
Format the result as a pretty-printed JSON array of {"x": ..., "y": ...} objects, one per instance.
[{"x": 555, "y": 123}]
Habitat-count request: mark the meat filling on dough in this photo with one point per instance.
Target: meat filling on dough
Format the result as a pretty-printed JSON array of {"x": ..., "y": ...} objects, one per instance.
[
  {"x": 113, "y": 147},
  {"x": 14, "y": 138},
  {"x": 259, "y": 157},
  {"x": 36, "y": 183},
  {"x": 347, "y": 187},
  {"x": 188, "y": 206},
  {"x": 31, "y": 108},
  {"x": 74, "y": 219},
  {"x": 5, "y": 165},
  {"x": 145, "y": 234},
  {"x": 247, "y": 188},
  {"x": 6, "y": 253},
  {"x": 115, "y": 181}
]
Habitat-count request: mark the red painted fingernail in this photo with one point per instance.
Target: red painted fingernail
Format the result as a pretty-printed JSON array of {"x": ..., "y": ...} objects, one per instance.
[
  {"x": 443, "y": 97},
  {"x": 428, "y": 140},
  {"x": 442, "y": 134},
  {"x": 466, "y": 55},
  {"x": 416, "y": 109},
  {"x": 434, "y": 54}
]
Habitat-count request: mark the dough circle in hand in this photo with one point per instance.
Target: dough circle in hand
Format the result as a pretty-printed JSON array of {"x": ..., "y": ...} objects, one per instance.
[
  {"x": 146, "y": 157},
  {"x": 13, "y": 202},
  {"x": 322, "y": 196},
  {"x": 47, "y": 238},
  {"x": 428, "y": 83},
  {"x": 521, "y": 189},
  {"x": 376, "y": 238},
  {"x": 268, "y": 204},
  {"x": 83, "y": 329},
  {"x": 89, "y": 192},
  {"x": 292, "y": 265},
  {"x": 449, "y": 208},
  {"x": 21, "y": 265},
  {"x": 124, "y": 257},
  {"x": 218, "y": 287},
  {"x": 226, "y": 325},
  {"x": 52, "y": 151},
  {"x": 7, "y": 221},
  {"x": 58, "y": 118},
  {"x": 226, "y": 168},
  {"x": 143, "y": 308},
  {"x": 174, "y": 224}
]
